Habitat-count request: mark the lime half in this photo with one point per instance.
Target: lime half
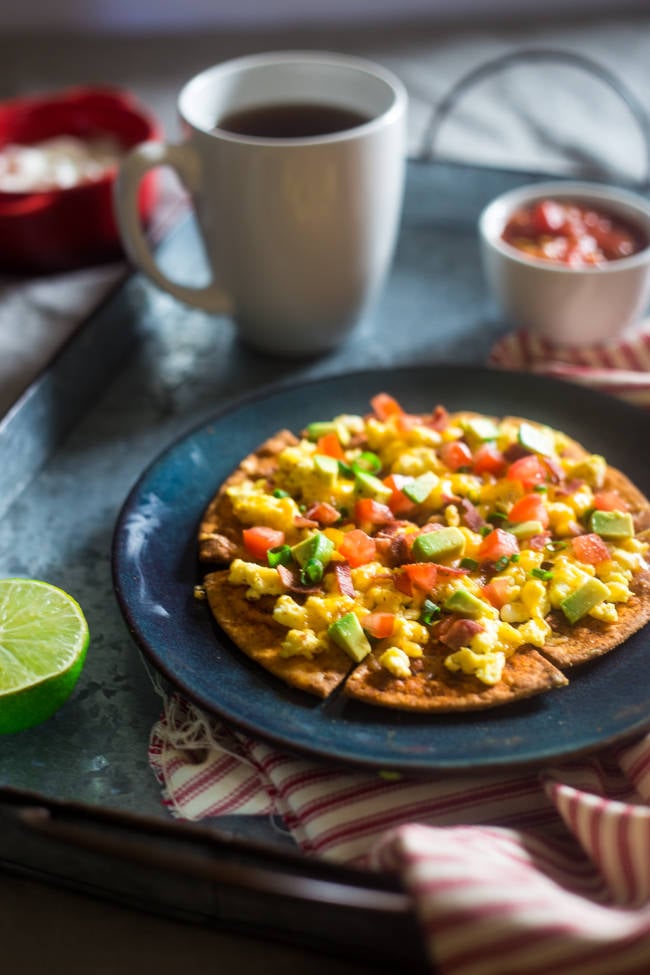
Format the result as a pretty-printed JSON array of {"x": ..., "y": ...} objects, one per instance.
[{"x": 43, "y": 642}]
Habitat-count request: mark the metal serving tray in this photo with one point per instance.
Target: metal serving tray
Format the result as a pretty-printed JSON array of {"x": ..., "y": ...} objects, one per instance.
[{"x": 78, "y": 802}]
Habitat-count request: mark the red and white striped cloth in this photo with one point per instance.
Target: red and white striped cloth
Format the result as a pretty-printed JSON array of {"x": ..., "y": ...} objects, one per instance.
[
  {"x": 621, "y": 367},
  {"x": 513, "y": 873},
  {"x": 516, "y": 873}
]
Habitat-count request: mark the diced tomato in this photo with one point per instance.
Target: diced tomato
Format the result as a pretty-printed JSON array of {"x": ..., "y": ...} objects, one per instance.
[
  {"x": 529, "y": 470},
  {"x": 610, "y": 501},
  {"x": 324, "y": 513},
  {"x": 403, "y": 583},
  {"x": 330, "y": 445},
  {"x": 497, "y": 544},
  {"x": 384, "y": 406},
  {"x": 455, "y": 454},
  {"x": 367, "y": 511},
  {"x": 357, "y": 547},
  {"x": 379, "y": 625},
  {"x": 497, "y": 591},
  {"x": 398, "y": 503},
  {"x": 590, "y": 548},
  {"x": 423, "y": 575},
  {"x": 488, "y": 459},
  {"x": 529, "y": 508},
  {"x": 260, "y": 539}
]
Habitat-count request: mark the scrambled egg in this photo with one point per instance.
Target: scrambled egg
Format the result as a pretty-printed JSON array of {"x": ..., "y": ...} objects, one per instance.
[{"x": 253, "y": 505}]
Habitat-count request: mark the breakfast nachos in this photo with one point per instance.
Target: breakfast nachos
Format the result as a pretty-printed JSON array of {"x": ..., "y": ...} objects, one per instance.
[{"x": 426, "y": 562}]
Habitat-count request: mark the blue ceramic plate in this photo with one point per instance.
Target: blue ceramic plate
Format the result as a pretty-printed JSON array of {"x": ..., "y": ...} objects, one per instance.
[{"x": 155, "y": 570}]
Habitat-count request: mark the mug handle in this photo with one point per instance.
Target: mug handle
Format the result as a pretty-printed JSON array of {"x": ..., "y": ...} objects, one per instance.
[{"x": 142, "y": 158}]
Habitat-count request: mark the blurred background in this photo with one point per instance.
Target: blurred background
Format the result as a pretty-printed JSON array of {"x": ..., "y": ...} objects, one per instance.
[{"x": 549, "y": 116}]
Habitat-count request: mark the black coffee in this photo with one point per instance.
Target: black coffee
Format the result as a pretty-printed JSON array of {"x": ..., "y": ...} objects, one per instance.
[{"x": 295, "y": 120}]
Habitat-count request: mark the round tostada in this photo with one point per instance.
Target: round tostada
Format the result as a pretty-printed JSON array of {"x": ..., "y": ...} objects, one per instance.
[{"x": 426, "y": 562}]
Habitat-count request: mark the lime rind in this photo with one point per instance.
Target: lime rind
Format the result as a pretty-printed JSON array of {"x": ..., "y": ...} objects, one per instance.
[{"x": 44, "y": 638}]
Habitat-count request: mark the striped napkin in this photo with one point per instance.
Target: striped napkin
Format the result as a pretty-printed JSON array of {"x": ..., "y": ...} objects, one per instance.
[
  {"x": 516, "y": 873},
  {"x": 621, "y": 367}
]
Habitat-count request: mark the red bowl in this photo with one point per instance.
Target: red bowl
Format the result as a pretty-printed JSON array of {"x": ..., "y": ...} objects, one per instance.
[{"x": 62, "y": 229}]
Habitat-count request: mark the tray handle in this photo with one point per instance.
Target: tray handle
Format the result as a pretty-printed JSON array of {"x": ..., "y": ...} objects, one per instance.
[{"x": 527, "y": 56}]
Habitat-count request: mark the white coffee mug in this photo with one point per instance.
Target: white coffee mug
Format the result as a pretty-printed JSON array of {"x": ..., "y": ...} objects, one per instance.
[{"x": 299, "y": 231}]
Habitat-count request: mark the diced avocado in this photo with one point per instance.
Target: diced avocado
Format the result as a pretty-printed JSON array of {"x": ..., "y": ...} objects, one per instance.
[
  {"x": 369, "y": 486},
  {"x": 420, "y": 487},
  {"x": 539, "y": 440},
  {"x": 327, "y": 466},
  {"x": 478, "y": 429},
  {"x": 612, "y": 524},
  {"x": 320, "y": 429},
  {"x": 526, "y": 529},
  {"x": 347, "y": 633},
  {"x": 465, "y": 603},
  {"x": 580, "y": 602},
  {"x": 447, "y": 543},
  {"x": 315, "y": 546},
  {"x": 314, "y": 431}
]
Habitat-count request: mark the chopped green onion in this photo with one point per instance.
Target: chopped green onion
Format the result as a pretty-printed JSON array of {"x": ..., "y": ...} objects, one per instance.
[
  {"x": 556, "y": 546},
  {"x": 430, "y": 611},
  {"x": 279, "y": 555},
  {"x": 544, "y": 574},
  {"x": 495, "y": 516},
  {"x": 311, "y": 572},
  {"x": 367, "y": 463},
  {"x": 501, "y": 563},
  {"x": 540, "y": 488},
  {"x": 468, "y": 563},
  {"x": 346, "y": 470},
  {"x": 279, "y": 493},
  {"x": 514, "y": 557}
]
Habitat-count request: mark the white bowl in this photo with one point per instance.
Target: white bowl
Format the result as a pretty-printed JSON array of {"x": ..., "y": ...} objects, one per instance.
[{"x": 573, "y": 305}]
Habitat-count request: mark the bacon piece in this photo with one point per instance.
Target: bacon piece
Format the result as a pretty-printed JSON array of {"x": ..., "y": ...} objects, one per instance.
[
  {"x": 343, "y": 574},
  {"x": 394, "y": 549},
  {"x": 302, "y": 521},
  {"x": 515, "y": 451},
  {"x": 538, "y": 542},
  {"x": 470, "y": 515},
  {"x": 554, "y": 468},
  {"x": 291, "y": 582},
  {"x": 570, "y": 487},
  {"x": 457, "y": 633},
  {"x": 439, "y": 419},
  {"x": 450, "y": 570}
]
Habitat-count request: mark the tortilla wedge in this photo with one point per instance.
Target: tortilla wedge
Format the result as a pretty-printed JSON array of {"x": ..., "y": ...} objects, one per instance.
[
  {"x": 253, "y": 630},
  {"x": 573, "y": 645},
  {"x": 434, "y": 688}
]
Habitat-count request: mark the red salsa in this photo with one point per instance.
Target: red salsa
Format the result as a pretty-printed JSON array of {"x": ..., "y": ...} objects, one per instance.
[{"x": 571, "y": 234}]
